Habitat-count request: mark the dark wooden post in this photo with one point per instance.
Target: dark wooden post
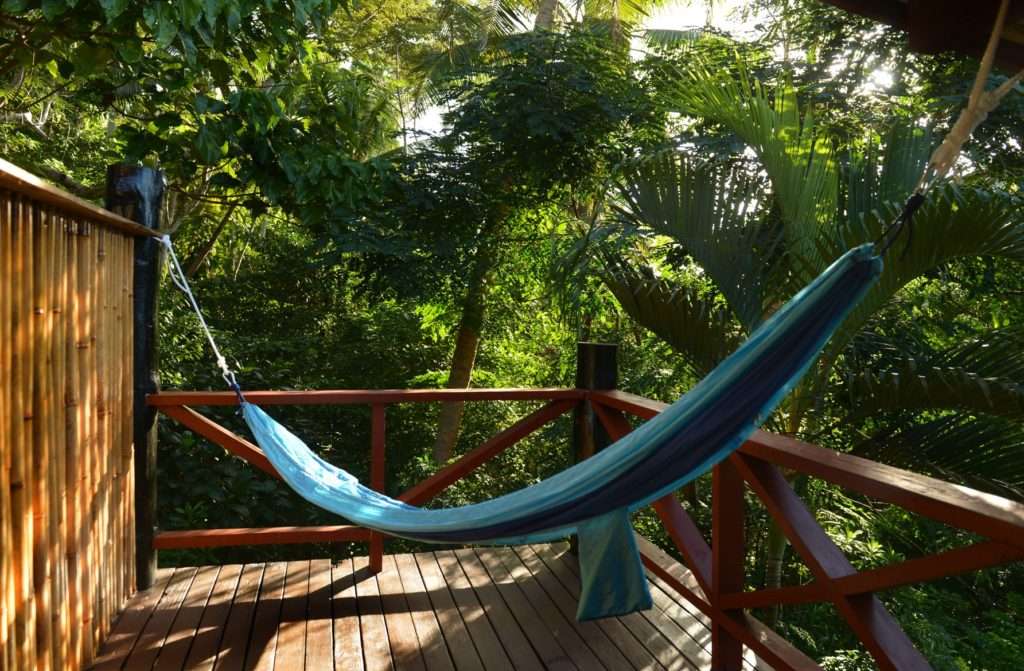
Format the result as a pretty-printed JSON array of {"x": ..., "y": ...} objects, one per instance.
[
  {"x": 596, "y": 368},
  {"x": 378, "y": 476},
  {"x": 727, "y": 559},
  {"x": 136, "y": 192}
]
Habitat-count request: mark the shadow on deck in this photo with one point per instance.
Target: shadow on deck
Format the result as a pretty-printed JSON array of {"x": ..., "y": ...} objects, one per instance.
[{"x": 488, "y": 608}]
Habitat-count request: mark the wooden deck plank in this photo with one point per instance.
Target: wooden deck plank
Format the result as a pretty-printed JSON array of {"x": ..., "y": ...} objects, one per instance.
[
  {"x": 235, "y": 642},
  {"x": 203, "y": 654},
  {"x": 130, "y": 624},
  {"x": 566, "y": 597},
  {"x": 405, "y": 645},
  {"x": 291, "y": 629},
  {"x": 692, "y": 627},
  {"x": 678, "y": 636},
  {"x": 186, "y": 623},
  {"x": 463, "y": 566},
  {"x": 348, "y": 646},
  {"x": 646, "y": 625},
  {"x": 147, "y": 648},
  {"x": 319, "y": 625},
  {"x": 565, "y": 565},
  {"x": 690, "y": 613},
  {"x": 482, "y": 634},
  {"x": 424, "y": 620},
  {"x": 372, "y": 625},
  {"x": 478, "y": 609},
  {"x": 563, "y": 621},
  {"x": 263, "y": 636},
  {"x": 454, "y": 630},
  {"x": 556, "y": 642}
]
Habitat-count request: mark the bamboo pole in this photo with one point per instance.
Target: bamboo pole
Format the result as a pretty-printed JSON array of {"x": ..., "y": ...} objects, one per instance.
[
  {"x": 57, "y": 427},
  {"x": 128, "y": 409},
  {"x": 83, "y": 334},
  {"x": 88, "y": 373},
  {"x": 20, "y": 494},
  {"x": 40, "y": 439},
  {"x": 72, "y": 479},
  {"x": 6, "y": 383},
  {"x": 96, "y": 421}
]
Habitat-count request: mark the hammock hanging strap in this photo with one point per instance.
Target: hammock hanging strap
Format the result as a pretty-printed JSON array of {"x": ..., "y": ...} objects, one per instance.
[
  {"x": 180, "y": 280},
  {"x": 979, "y": 105}
]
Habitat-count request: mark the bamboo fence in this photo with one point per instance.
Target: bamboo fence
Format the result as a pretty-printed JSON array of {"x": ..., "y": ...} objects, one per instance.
[{"x": 67, "y": 560}]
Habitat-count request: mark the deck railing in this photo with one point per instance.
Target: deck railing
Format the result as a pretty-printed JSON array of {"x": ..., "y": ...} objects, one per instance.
[{"x": 713, "y": 577}]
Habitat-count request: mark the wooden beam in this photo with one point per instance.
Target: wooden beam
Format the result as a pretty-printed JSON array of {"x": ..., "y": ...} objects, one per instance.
[
  {"x": 986, "y": 514},
  {"x": 360, "y": 396},
  {"x": 766, "y": 644},
  {"x": 681, "y": 528},
  {"x": 215, "y": 538},
  {"x": 912, "y": 571},
  {"x": 728, "y": 552},
  {"x": 218, "y": 435},
  {"x": 137, "y": 192},
  {"x": 875, "y": 627},
  {"x": 378, "y": 476},
  {"x": 19, "y": 181},
  {"x": 432, "y": 486}
]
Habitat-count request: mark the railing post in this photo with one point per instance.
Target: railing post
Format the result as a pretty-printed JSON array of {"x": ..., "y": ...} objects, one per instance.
[
  {"x": 136, "y": 192},
  {"x": 596, "y": 368},
  {"x": 378, "y": 476},
  {"x": 727, "y": 559}
]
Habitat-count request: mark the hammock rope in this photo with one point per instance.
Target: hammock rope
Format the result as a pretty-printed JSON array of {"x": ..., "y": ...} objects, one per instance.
[{"x": 980, "y": 103}]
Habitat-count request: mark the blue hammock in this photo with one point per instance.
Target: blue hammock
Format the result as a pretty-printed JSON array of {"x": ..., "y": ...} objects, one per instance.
[{"x": 595, "y": 498}]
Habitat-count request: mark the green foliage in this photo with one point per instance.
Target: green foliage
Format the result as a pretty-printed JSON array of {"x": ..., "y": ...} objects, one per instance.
[{"x": 665, "y": 199}]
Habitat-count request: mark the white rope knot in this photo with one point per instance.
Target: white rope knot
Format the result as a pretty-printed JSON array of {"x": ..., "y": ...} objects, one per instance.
[{"x": 946, "y": 155}]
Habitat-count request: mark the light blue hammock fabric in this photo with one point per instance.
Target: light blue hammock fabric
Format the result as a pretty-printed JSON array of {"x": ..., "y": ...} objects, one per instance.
[{"x": 595, "y": 498}]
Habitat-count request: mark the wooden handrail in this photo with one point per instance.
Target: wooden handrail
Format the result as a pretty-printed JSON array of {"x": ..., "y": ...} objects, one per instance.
[
  {"x": 20, "y": 181},
  {"x": 758, "y": 463},
  {"x": 361, "y": 396},
  {"x": 987, "y": 514},
  {"x": 172, "y": 404},
  {"x": 714, "y": 583}
]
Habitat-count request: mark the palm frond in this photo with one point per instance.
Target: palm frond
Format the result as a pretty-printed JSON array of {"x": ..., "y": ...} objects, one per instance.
[
  {"x": 712, "y": 211},
  {"x": 983, "y": 375},
  {"x": 666, "y": 37},
  {"x": 954, "y": 223},
  {"x": 982, "y": 451},
  {"x": 695, "y": 325},
  {"x": 797, "y": 157},
  {"x": 886, "y": 170}
]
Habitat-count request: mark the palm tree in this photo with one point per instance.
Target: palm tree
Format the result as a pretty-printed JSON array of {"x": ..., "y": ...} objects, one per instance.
[{"x": 759, "y": 225}]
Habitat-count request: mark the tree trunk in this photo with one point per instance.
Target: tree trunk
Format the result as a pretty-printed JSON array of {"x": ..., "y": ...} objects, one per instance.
[
  {"x": 775, "y": 551},
  {"x": 467, "y": 342},
  {"x": 204, "y": 252},
  {"x": 776, "y": 543},
  {"x": 545, "y": 15}
]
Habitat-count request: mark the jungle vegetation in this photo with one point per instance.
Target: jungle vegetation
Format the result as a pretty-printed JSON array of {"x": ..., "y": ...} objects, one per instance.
[{"x": 664, "y": 190}]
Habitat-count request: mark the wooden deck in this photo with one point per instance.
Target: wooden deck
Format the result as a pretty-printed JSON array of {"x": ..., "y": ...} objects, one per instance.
[{"x": 488, "y": 608}]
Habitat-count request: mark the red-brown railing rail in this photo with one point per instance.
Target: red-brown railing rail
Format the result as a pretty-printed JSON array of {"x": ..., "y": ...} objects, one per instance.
[{"x": 713, "y": 578}]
